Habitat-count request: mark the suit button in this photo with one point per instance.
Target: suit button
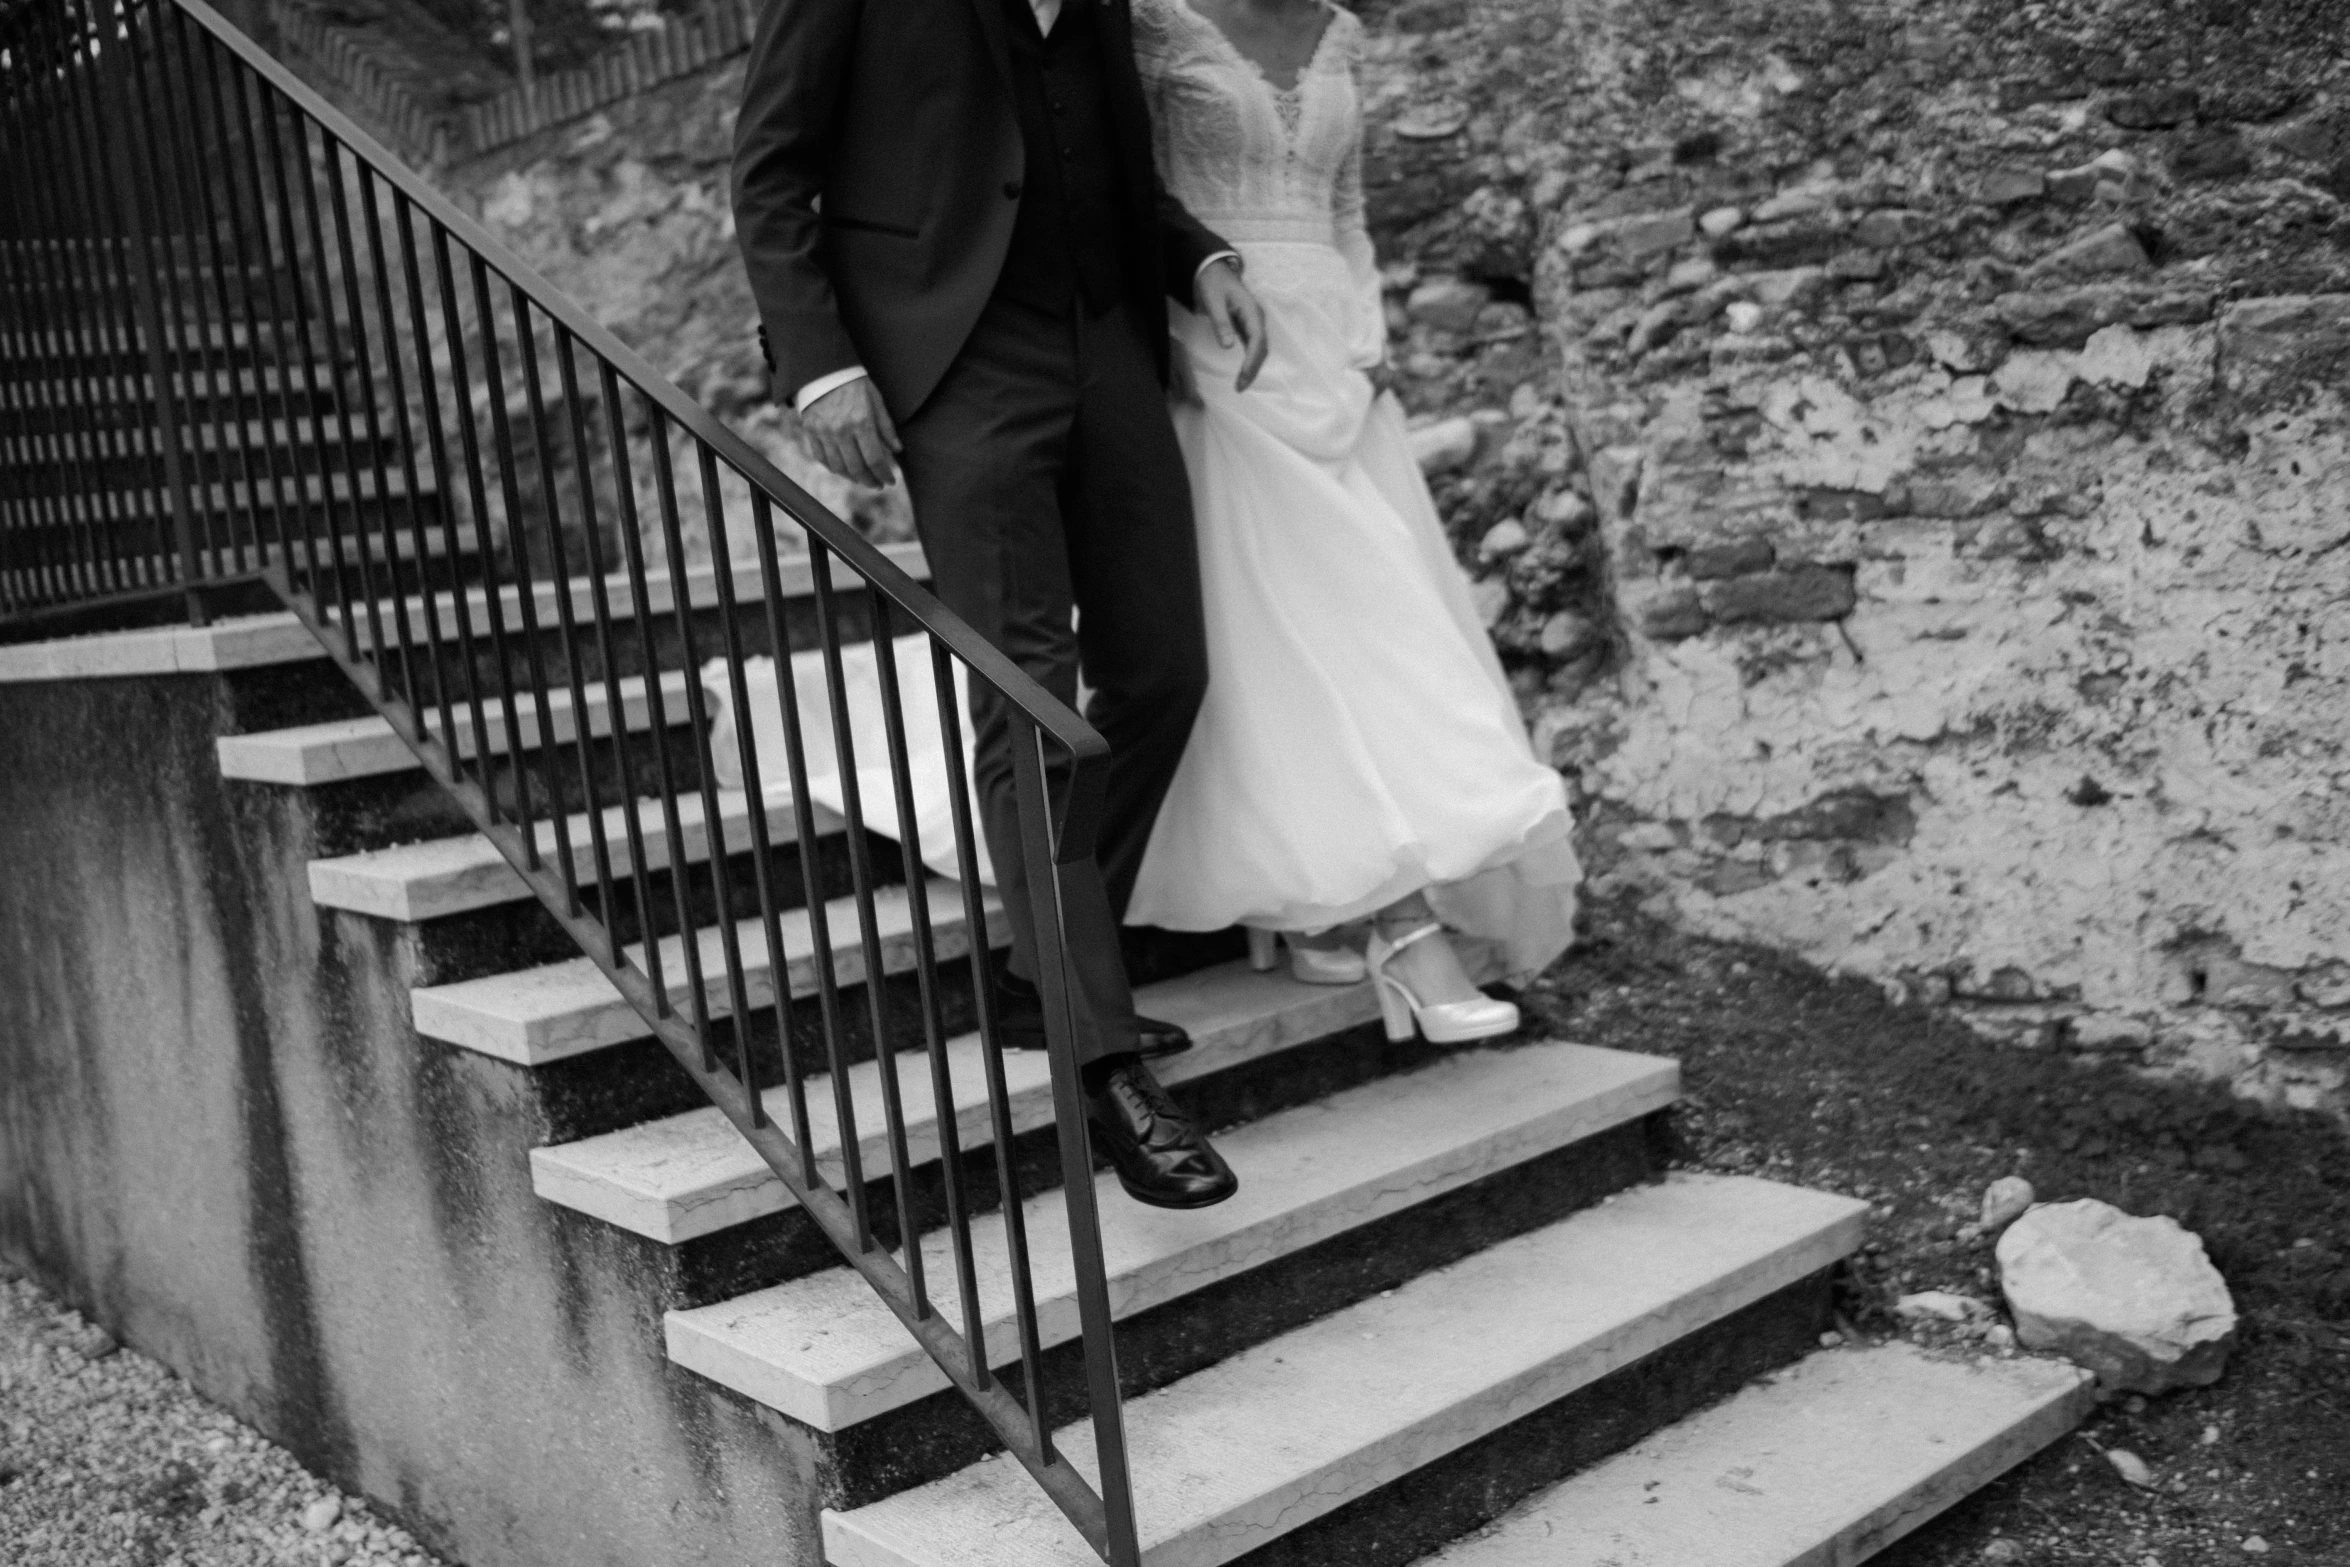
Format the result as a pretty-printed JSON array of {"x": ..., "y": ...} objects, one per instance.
[{"x": 1011, "y": 190}]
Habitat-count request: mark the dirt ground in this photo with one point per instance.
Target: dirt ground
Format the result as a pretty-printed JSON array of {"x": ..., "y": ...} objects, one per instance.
[{"x": 1798, "y": 1077}]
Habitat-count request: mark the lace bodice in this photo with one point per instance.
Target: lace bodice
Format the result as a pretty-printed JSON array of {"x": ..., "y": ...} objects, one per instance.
[
  {"x": 1252, "y": 161},
  {"x": 1255, "y": 162}
]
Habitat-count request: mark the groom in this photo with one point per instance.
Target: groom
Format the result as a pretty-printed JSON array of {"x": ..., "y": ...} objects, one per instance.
[{"x": 962, "y": 260}]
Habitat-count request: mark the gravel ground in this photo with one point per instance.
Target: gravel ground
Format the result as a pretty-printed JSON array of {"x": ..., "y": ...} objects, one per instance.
[{"x": 109, "y": 1460}]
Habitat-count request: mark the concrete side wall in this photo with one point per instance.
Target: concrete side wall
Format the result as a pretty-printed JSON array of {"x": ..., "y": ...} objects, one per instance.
[{"x": 220, "y": 1137}]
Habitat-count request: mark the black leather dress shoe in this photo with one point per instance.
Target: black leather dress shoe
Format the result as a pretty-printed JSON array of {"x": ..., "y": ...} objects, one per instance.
[
  {"x": 1019, "y": 1012},
  {"x": 1161, "y": 1158}
]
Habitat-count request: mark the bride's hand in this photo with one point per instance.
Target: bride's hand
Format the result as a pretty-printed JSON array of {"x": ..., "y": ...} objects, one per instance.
[{"x": 1235, "y": 314}]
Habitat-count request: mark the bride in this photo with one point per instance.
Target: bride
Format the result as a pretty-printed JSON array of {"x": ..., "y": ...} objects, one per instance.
[{"x": 1359, "y": 754}]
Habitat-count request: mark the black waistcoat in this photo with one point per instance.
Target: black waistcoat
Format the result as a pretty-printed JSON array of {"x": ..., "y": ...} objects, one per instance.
[{"x": 1065, "y": 241}]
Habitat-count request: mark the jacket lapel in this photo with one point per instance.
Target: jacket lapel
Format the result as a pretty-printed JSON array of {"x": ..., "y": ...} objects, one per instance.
[{"x": 991, "y": 27}]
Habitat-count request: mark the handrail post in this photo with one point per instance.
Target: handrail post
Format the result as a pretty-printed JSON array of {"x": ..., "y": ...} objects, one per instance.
[
  {"x": 115, "y": 61},
  {"x": 1048, "y": 855}
]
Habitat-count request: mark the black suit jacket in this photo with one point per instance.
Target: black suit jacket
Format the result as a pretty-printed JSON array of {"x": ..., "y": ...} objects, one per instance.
[{"x": 877, "y": 170}]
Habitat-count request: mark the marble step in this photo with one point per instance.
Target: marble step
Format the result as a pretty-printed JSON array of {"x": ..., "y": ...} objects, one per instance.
[
  {"x": 825, "y": 1351},
  {"x": 1238, "y": 1455},
  {"x": 1822, "y": 1465},
  {"x": 86, "y": 347},
  {"x": 131, "y": 391},
  {"x": 444, "y": 876},
  {"x": 383, "y": 495},
  {"x": 282, "y": 756},
  {"x": 533, "y": 1016},
  {"x": 228, "y": 644},
  {"x": 309, "y": 755},
  {"x": 686, "y": 1176}
]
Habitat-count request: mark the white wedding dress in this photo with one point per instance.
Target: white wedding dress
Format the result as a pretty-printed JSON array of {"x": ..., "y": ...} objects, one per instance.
[{"x": 1359, "y": 741}]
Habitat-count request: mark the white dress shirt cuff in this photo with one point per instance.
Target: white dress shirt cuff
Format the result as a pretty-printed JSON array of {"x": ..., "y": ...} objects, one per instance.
[
  {"x": 825, "y": 383},
  {"x": 1232, "y": 256}
]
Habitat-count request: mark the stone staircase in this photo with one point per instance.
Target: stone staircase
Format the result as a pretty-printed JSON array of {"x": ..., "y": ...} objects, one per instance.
[{"x": 1461, "y": 1311}]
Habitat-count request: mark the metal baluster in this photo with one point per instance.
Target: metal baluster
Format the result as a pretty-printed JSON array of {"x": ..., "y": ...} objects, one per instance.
[
  {"x": 680, "y": 601},
  {"x": 991, "y": 1055},
  {"x": 934, "y": 1036},
  {"x": 753, "y": 795},
  {"x": 70, "y": 267},
  {"x": 1046, "y": 852},
  {"x": 233, "y": 394},
  {"x": 525, "y": 606},
  {"x": 844, "y": 1106},
  {"x": 178, "y": 498},
  {"x": 534, "y": 391},
  {"x": 632, "y": 549},
  {"x": 404, "y": 429},
  {"x": 17, "y": 397},
  {"x": 436, "y": 442},
  {"x": 363, "y": 366},
  {"x": 274, "y": 273},
  {"x": 216, "y": 100},
  {"x": 73, "y": 339},
  {"x": 290, "y": 237},
  {"x": 477, "y": 498},
  {"x": 53, "y": 498},
  {"x": 215, "y": 351},
  {"x": 868, "y": 928},
  {"x": 804, "y": 824},
  {"x": 193, "y": 356},
  {"x": 18, "y": 400},
  {"x": 600, "y": 608},
  {"x": 331, "y": 330}
]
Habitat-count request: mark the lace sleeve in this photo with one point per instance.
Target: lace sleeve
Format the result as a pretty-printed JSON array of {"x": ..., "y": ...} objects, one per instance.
[{"x": 1354, "y": 236}]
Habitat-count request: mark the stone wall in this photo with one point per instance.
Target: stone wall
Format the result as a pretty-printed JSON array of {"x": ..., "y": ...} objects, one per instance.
[
  {"x": 1900, "y": 449},
  {"x": 1925, "y": 537}
]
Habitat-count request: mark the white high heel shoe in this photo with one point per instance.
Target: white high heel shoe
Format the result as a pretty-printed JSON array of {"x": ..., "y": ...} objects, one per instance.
[
  {"x": 1307, "y": 965},
  {"x": 1443, "y": 1022}
]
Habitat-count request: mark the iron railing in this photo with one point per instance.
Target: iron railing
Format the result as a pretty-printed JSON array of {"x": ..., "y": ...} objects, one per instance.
[{"x": 242, "y": 346}]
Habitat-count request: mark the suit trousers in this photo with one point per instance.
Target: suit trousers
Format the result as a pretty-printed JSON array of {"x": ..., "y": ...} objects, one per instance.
[{"x": 1052, "y": 503}]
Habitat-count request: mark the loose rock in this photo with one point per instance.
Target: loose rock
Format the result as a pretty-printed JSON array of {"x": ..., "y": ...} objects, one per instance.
[
  {"x": 1445, "y": 445},
  {"x": 2133, "y": 1299},
  {"x": 1940, "y": 1306},
  {"x": 2005, "y": 1200}
]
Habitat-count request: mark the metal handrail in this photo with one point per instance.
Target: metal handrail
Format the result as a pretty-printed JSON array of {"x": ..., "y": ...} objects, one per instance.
[{"x": 209, "y": 264}]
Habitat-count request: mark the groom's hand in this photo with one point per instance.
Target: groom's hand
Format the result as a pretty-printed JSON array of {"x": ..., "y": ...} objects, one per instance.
[
  {"x": 1235, "y": 314},
  {"x": 852, "y": 433}
]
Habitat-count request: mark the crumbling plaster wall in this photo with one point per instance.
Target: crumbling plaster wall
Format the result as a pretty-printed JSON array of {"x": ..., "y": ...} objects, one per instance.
[{"x": 1960, "y": 478}]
